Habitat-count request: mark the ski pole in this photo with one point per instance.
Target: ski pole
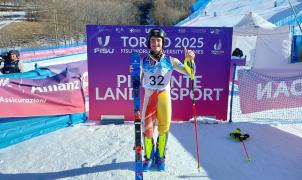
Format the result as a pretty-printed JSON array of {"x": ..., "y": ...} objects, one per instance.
[
  {"x": 246, "y": 154},
  {"x": 196, "y": 128},
  {"x": 189, "y": 67}
]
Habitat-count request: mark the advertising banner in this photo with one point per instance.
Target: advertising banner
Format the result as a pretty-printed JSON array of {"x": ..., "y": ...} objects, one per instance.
[
  {"x": 59, "y": 94},
  {"x": 79, "y": 67},
  {"x": 109, "y": 49},
  {"x": 269, "y": 90}
]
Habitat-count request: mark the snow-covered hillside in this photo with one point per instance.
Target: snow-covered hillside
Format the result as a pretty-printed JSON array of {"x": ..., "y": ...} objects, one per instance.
[
  {"x": 230, "y": 12},
  {"x": 10, "y": 16}
]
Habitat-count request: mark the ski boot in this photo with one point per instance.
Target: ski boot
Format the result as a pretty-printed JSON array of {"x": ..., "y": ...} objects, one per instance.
[
  {"x": 160, "y": 151},
  {"x": 149, "y": 154}
]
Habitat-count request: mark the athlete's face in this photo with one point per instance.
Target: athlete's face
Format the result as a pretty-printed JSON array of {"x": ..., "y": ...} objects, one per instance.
[
  {"x": 13, "y": 56},
  {"x": 156, "y": 43}
]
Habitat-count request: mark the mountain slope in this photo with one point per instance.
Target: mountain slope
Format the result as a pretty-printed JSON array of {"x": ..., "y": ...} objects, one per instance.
[{"x": 229, "y": 13}]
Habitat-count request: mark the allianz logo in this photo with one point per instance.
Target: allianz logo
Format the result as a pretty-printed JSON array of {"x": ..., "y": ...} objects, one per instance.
[{"x": 56, "y": 87}]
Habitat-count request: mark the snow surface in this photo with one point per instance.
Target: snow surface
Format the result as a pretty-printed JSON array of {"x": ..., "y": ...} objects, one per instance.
[
  {"x": 92, "y": 151},
  {"x": 30, "y": 65},
  {"x": 12, "y": 13},
  {"x": 16, "y": 16}
]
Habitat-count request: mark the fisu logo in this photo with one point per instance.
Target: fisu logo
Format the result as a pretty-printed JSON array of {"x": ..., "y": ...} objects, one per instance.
[
  {"x": 103, "y": 43},
  {"x": 100, "y": 41},
  {"x": 147, "y": 30}
]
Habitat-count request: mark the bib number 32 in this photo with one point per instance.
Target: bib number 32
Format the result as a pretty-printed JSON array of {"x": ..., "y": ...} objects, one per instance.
[{"x": 156, "y": 80}]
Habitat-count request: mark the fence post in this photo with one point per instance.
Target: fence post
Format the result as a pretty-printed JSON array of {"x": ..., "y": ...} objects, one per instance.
[{"x": 232, "y": 92}]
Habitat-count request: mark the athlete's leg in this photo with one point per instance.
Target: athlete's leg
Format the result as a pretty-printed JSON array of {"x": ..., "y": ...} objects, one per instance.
[
  {"x": 148, "y": 118},
  {"x": 164, "y": 114}
]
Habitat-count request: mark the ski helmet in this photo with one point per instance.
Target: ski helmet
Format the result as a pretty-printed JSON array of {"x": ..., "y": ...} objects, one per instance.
[
  {"x": 157, "y": 32},
  {"x": 16, "y": 52}
]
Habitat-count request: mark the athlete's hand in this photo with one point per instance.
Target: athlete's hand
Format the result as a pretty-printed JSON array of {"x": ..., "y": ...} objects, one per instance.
[{"x": 190, "y": 54}]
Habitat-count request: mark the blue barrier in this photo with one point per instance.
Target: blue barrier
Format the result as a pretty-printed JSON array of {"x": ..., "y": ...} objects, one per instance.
[
  {"x": 296, "y": 54},
  {"x": 287, "y": 20},
  {"x": 37, "y": 73},
  {"x": 15, "y": 130},
  {"x": 200, "y": 4}
]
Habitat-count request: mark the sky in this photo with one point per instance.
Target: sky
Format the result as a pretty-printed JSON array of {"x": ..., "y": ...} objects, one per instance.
[{"x": 94, "y": 151}]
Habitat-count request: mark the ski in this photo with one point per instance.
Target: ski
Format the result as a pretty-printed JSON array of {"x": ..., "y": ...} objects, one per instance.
[{"x": 135, "y": 75}]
